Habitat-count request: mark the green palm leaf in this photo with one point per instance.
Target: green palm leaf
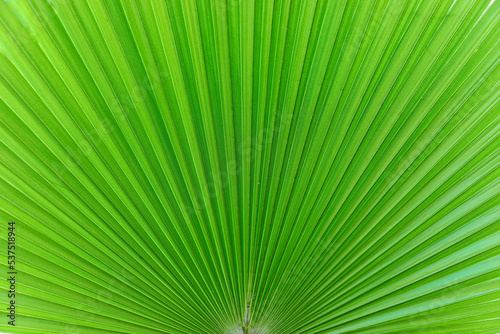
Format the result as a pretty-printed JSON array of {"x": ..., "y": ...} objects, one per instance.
[{"x": 255, "y": 166}]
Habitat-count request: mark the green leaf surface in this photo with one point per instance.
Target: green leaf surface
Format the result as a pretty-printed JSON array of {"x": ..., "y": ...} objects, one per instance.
[{"x": 251, "y": 166}]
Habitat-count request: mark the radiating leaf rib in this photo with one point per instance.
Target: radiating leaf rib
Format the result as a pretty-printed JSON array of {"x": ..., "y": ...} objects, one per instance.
[{"x": 228, "y": 166}]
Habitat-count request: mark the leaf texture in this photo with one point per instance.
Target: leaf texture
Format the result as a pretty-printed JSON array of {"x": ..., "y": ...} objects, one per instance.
[{"x": 251, "y": 166}]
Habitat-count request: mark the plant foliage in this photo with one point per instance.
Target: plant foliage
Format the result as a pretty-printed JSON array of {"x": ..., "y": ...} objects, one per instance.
[{"x": 256, "y": 166}]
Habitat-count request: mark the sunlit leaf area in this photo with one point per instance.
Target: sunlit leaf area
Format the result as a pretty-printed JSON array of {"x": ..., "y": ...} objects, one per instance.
[{"x": 249, "y": 166}]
